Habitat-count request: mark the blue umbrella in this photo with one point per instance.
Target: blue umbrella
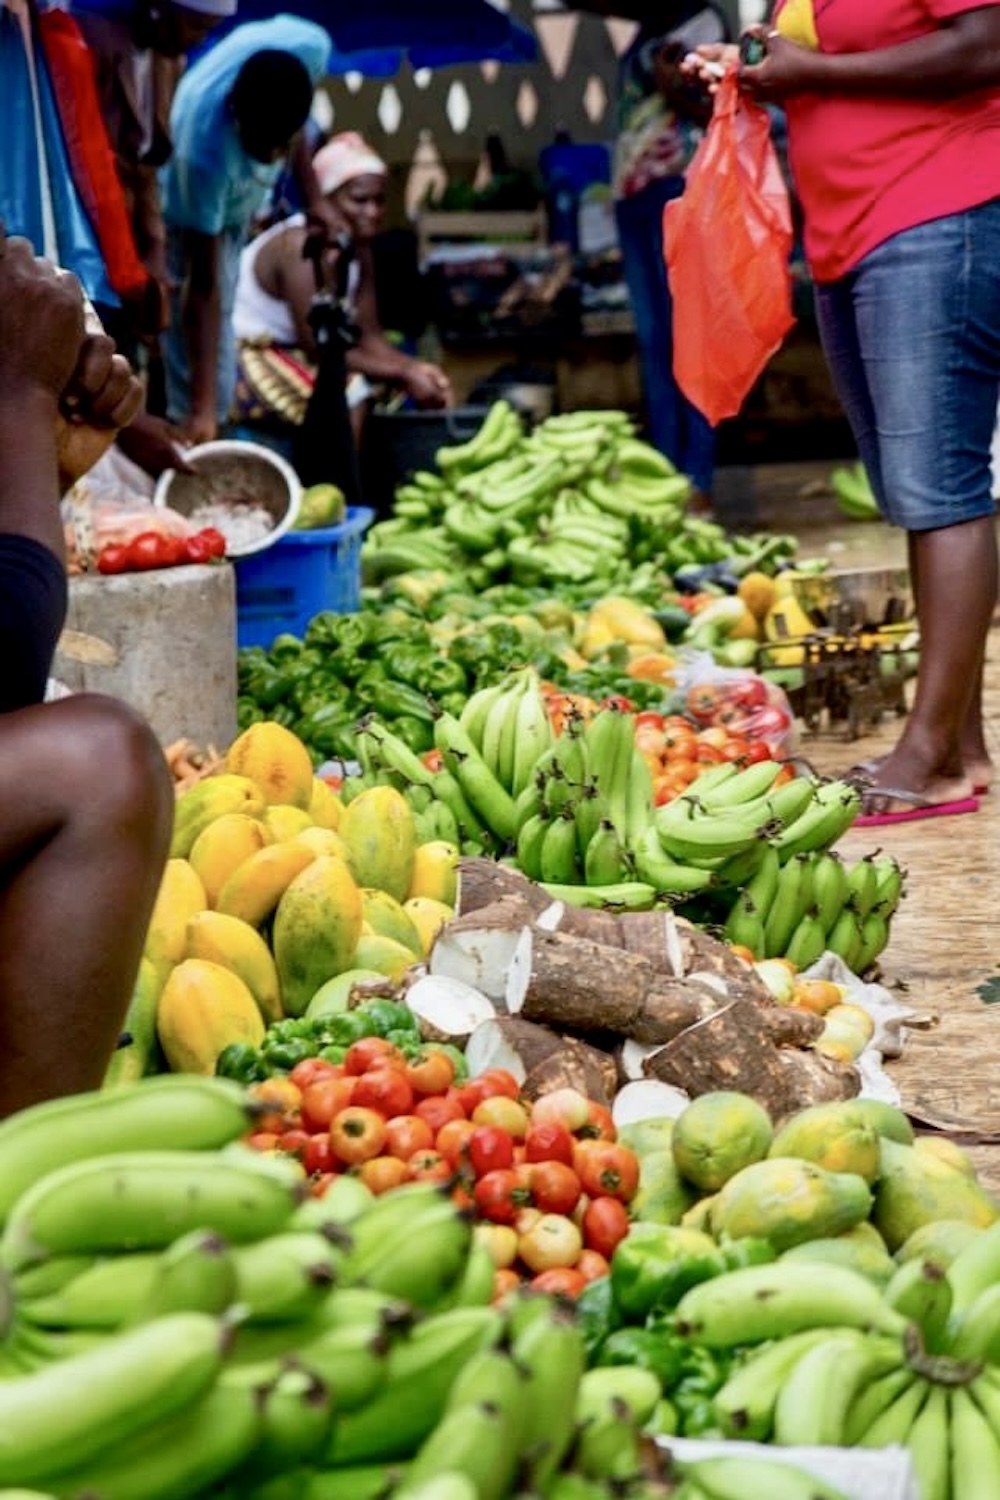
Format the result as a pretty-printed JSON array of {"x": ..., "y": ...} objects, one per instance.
[{"x": 376, "y": 38}]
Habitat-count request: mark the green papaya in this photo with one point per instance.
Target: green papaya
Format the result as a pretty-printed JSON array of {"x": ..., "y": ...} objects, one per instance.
[
  {"x": 834, "y": 1136},
  {"x": 916, "y": 1188},
  {"x": 787, "y": 1200}
]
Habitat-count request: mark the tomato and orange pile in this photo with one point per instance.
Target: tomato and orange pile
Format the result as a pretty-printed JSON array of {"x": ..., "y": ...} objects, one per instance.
[{"x": 547, "y": 1181}]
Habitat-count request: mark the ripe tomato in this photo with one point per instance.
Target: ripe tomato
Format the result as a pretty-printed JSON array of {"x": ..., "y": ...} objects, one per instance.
[
  {"x": 174, "y": 551},
  {"x": 214, "y": 541},
  {"x": 147, "y": 550},
  {"x": 749, "y": 692},
  {"x": 607, "y": 1170},
  {"x": 756, "y": 751},
  {"x": 592, "y": 1265},
  {"x": 702, "y": 701},
  {"x": 679, "y": 741},
  {"x": 433, "y": 1074},
  {"x": 600, "y": 1126},
  {"x": 555, "y": 1188},
  {"x": 198, "y": 552},
  {"x": 549, "y": 1142},
  {"x": 498, "y": 1197},
  {"x": 560, "y": 1281},
  {"x": 488, "y": 1149},
  {"x": 313, "y": 1070},
  {"x": 113, "y": 559},
  {"x": 649, "y": 719},
  {"x": 499, "y": 1241},
  {"x": 495, "y": 1081},
  {"x": 710, "y": 755},
  {"x": 567, "y": 1107},
  {"x": 357, "y": 1134},
  {"x": 324, "y": 1099},
  {"x": 452, "y": 1140},
  {"x": 605, "y": 1224},
  {"x": 553, "y": 1241},
  {"x": 735, "y": 749},
  {"x": 429, "y": 1166},
  {"x": 381, "y": 1173},
  {"x": 368, "y": 1051},
  {"x": 262, "y": 1140},
  {"x": 406, "y": 1134},
  {"x": 437, "y": 1110},
  {"x": 617, "y": 700},
  {"x": 677, "y": 777},
  {"x": 715, "y": 735},
  {"x": 509, "y": 1115},
  {"x": 385, "y": 1089},
  {"x": 293, "y": 1142},
  {"x": 318, "y": 1156}
]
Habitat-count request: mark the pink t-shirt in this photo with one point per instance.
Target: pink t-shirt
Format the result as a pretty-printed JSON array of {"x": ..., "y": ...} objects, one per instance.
[{"x": 866, "y": 169}]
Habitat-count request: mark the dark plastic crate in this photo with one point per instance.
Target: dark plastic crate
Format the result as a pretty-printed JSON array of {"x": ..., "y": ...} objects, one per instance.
[
  {"x": 399, "y": 442},
  {"x": 281, "y": 588}
]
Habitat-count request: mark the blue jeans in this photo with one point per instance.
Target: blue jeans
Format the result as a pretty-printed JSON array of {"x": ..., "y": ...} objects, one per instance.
[
  {"x": 912, "y": 338},
  {"x": 676, "y": 427}
]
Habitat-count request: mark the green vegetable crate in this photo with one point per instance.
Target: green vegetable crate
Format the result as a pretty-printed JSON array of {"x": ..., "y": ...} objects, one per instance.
[{"x": 304, "y": 572}]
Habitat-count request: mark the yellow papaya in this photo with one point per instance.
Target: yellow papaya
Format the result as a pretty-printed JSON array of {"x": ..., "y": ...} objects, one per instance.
[
  {"x": 833, "y": 1136},
  {"x": 916, "y": 1188},
  {"x": 325, "y": 807},
  {"x": 237, "y": 946},
  {"x": 276, "y": 761},
  {"x": 223, "y": 845},
  {"x": 378, "y": 829},
  {"x": 435, "y": 872},
  {"x": 180, "y": 896},
  {"x": 256, "y": 886},
  {"x": 324, "y": 841},
  {"x": 387, "y": 918},
  {"x": 203, "y": 1009},
  {"x": 383, "y": 955},
  {"x": 717, "y": 1134},
  {"x": 208, "y": 800},
  {"x": 787, "y": 1200},
  {"x": 428, "y": 917},
  {"x": 316, "y": 930},
  {"x": 283, "y": 821},
  {"x": 947, "y": 1151}
]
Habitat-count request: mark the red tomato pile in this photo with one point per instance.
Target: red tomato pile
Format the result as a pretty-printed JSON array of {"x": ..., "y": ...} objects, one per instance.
[
  {"x": 548, "y": 1182},
  {"x": 151, "y": 549},
  {"x": 677, "y": 751}
]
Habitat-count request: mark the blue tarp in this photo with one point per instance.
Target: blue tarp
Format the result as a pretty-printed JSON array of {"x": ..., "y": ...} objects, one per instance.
[{"x": 376, "y": 37}]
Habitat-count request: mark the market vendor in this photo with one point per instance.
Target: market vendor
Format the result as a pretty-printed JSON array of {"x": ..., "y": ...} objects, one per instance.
[
  {"x": 276, "y": 288},
  {"x": 86, "y": 797},
  {"x": 236, "y": 115}
]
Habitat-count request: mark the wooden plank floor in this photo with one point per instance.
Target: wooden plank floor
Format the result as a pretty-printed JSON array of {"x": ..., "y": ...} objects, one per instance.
[{"x": 945, "y": 944}]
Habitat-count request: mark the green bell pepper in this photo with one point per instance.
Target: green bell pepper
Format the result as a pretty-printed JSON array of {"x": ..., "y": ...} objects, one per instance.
[
  {"x": 388, "y": 1015},
  {"x": 242, "y": 1063},
  {"x": 417, "y": 734},
  {"x": 655, "y": 1351},
  {"x": 346, "y": 1027},
  {"x": 657, "y": 1263},
  {"x": 285, "y": 1055},
  {"x": 596, "y": 1315},
  {"x": 334, "y": 632}
]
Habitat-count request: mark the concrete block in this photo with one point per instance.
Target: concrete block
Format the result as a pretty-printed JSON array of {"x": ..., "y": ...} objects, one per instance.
[{"x": 172, "y": 640}]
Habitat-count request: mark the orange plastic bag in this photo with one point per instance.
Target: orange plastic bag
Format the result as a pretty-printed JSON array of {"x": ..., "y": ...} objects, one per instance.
[{"x": 727, "y": 240}]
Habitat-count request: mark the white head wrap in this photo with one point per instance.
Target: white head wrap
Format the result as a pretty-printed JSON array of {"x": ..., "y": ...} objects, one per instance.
[{"x": 344, "y": 157}]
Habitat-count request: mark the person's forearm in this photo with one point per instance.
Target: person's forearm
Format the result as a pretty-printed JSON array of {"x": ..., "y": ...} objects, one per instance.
[
  {"x": 959, "y": 58},
  {"x": 378, "y": 359},
  {"x": 29, "y": 473}
]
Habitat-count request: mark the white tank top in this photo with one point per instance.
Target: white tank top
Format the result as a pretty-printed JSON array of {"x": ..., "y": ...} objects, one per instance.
[{"x": 258, "y": 315}]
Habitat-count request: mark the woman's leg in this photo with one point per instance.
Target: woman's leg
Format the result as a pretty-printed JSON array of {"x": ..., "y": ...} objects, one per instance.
[
  {"x": 913, "y": 339},
  {"x": 87, "y": 811}
]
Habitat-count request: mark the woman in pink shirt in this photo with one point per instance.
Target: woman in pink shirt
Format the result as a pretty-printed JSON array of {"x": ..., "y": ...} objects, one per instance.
[{"x": 894, "y": 140}]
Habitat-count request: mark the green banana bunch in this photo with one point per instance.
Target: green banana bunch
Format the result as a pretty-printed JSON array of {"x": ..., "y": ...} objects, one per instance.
[{"x": 744, "y": 1478}]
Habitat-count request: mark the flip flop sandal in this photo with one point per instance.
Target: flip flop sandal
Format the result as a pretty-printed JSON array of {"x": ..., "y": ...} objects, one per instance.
[{"x": 917, "y": 808}]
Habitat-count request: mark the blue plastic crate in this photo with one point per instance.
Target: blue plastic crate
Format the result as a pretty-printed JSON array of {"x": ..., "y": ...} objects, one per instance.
[{"x": 281, "y": 588}]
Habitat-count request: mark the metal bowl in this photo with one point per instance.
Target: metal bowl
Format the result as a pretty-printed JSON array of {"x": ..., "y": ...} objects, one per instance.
[
  {"x": 227, "y": 473},
  {"x": 854, "y": 598}
]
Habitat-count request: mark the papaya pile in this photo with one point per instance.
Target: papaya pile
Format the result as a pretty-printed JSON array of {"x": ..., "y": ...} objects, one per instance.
[{"x": 272, "y": 889}]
